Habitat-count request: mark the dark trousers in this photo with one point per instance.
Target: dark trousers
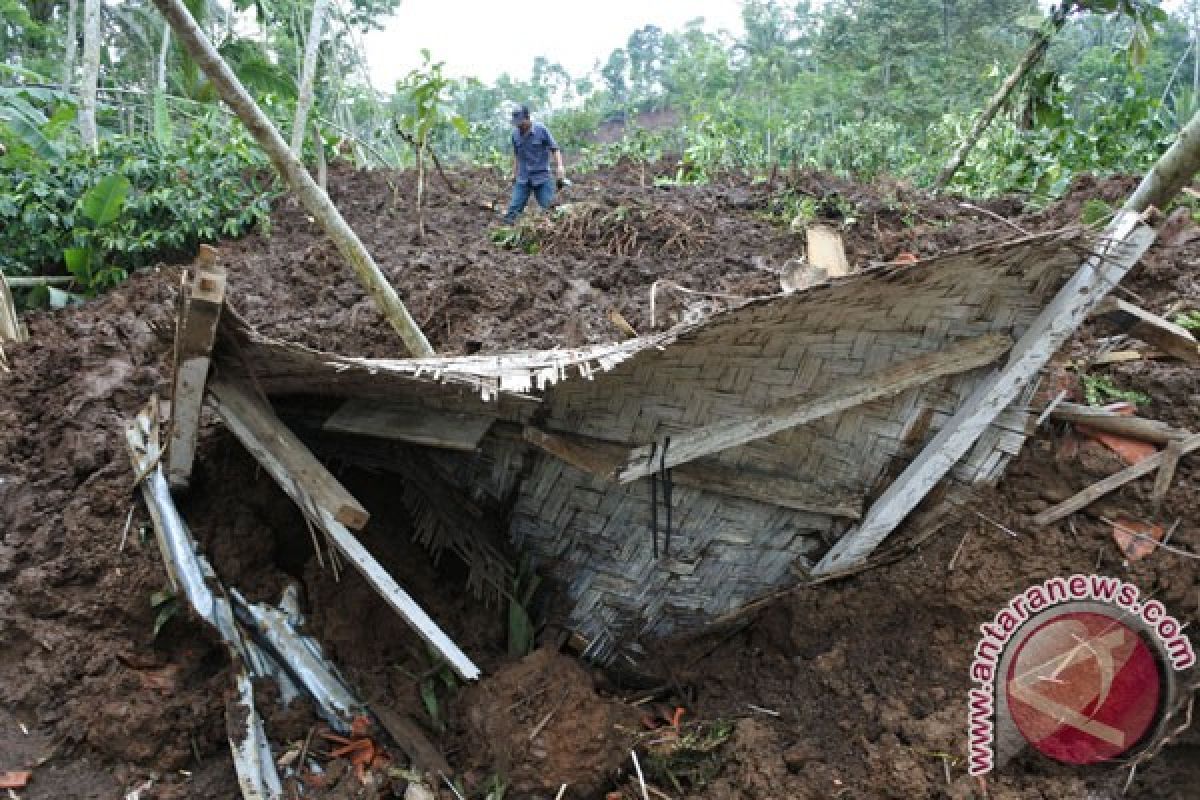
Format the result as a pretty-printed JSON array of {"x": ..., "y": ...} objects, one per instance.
[{"x": 544, "y": 192}]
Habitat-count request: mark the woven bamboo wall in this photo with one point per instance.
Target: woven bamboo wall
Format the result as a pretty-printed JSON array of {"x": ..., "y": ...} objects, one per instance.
[
  {"x": 725, "y": 551},
  {"x": 594, "y": 537}
]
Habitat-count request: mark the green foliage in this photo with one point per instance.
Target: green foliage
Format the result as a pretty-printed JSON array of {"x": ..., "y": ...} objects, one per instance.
[
  {"x": 100, "y": 206},
  {"x": 166, "y": 605},
  {"x": 521, "y": 631},
  {"x": 1100, "y": 390},
  {"x": 1095, "y": 211},
  {"x": 688, "y": 758},
  {"x": 1189, "y": 320},
  {"x": 134, "y": 203},
  {"x": 440, "y": 678},
  {"x": 426, "y": 90}
]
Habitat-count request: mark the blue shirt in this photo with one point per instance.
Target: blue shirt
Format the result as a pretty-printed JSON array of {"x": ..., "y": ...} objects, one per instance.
[{"x": 532, "y": 150}]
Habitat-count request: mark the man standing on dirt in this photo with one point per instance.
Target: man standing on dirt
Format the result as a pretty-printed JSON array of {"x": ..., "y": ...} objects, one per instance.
[{"x": 532, "y": 146}]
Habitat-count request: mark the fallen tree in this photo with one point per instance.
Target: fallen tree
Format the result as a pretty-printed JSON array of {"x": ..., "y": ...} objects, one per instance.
[{"x": 293, "y": 172}]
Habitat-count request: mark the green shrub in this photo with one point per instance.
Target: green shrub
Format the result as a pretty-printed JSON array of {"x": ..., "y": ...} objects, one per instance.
[{"x": 213, "y": 184}]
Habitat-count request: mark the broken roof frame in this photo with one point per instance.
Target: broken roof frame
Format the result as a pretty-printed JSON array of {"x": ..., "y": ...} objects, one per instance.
[{"x": 907, "y": 371}]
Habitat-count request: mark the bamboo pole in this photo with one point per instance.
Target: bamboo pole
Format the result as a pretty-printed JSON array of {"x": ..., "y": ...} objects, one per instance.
[
  {"x": 293, "y": 172},
  {"x": 1171, "y": 172}
]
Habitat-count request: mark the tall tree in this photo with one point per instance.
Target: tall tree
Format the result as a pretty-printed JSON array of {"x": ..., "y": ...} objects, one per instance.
[
  {"x": 72, "y": 45},
  {"x": 308, "y": 75},
  {"x": 92, "y": 33},
  {"x": 1144, "y": 13}
]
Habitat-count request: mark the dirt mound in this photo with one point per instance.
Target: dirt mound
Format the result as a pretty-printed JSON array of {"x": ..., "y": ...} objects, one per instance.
[
  {"x": 855, "y": 687},
  {"x": 539, "y": 723}
]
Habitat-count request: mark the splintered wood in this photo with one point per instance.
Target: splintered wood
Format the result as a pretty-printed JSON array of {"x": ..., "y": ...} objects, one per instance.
[
  {"x": 193, "y": 353},
  {"x": 323, "y": 499},
  {"x": 1117, "y": 480}
]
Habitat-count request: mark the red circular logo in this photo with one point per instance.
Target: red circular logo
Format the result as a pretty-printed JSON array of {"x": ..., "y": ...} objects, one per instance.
[{"x": 1083, "y": 687}]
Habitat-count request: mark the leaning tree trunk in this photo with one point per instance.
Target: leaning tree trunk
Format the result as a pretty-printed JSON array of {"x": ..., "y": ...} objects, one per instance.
[
  {"x": 1171, "y": 172},
  {"x": 308, "y": 75},
  {"x": 1033, "y": 56},
  {"x": 91, "y": 72},
  {"x": 296, "y": 176},
  {"x": 72, "y": 46}
]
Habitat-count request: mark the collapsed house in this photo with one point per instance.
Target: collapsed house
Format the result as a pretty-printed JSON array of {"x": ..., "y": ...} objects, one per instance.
[{"x": 668, "y": 480}]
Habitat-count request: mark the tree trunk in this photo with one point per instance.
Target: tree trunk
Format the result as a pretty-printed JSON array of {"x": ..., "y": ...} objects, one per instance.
[
  {"x": 322, "y": 165},
  {"x": 160, "y": 82},
  {"x": 72, "y": 46},
  {"x": 1171, "y": 173},
  {"x": 308, "y": 75},
  {"x": 91, "y": 72},
  {"x": 293, "y": 172},
  {"x": 1033, "y": 56},
  {"x": 421, "y": 191}
]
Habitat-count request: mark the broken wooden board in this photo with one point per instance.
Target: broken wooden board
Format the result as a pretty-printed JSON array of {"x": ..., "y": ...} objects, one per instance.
[
  {"x": 235, "y": 402},
  {"x": 409, "y": 422},
  {"x": 303, "y": 478},
  {"x": 600, "y": 458},
  {"x": 1147, "y": 430},
  {"x": 1152, "y": 329},
  {"x": 681, "y": 448},
  {"x": 1116, "y": 481},
  {"x": 193, "y": 353},
  {"x": 1166, "y": 472},
  {"x": 824, "y": 251},
  {"x": 1125, "y": 240}
]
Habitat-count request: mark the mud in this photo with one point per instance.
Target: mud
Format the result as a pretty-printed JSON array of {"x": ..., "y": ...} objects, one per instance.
[{"x": 858, "y": 686}]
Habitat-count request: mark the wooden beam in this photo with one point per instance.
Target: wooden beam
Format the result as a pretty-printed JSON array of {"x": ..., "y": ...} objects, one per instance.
[
  {"x": 793, "y": 411},
  {"x": 408, "y": 422},
  {"x": 1114, "y": 481},
  {"x": 303, "y": 478},
  {"x": 193, "y": 354},
  {"x": 824, "y": 250},
  {"x": 1146, "y": 430},
  {"x": 1151, "y": 329},
  {"x": 1122, "y": 245},
  {"x": 601, "y": 458},
  {"x": 247, "y": 415}
]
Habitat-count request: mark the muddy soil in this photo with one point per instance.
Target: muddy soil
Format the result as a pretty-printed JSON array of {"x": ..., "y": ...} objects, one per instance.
[{"x": 855, "y": 688}]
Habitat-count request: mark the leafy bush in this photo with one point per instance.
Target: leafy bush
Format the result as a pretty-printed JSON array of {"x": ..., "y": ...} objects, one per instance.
[{"x": 212, "y": 184}]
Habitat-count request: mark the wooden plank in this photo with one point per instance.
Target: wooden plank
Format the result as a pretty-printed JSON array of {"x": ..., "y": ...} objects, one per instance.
[
  {"x": 824, "y": 250},
  {"x": 193, "y": 353},
  {"x": 408, "y": 422},
  {"x": 238, "y": 405},
  {"x": 1147, "y": 430},
  {"x": 793, "y": 411},
  {"x": 315, "y": 491},
  {"x": 1113, "y": 482},
  {"x": 601, "y": 458},
  {"x": 1124, "y": 241},
  {"x": 1151, "y": 329}
]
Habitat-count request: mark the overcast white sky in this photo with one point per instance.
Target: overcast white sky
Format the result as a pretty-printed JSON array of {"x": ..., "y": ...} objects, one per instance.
[{"x": 483, "y": 38}]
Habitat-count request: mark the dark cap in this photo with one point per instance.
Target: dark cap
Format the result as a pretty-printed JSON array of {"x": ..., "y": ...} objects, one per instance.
[{"x": 520, "y": 112}]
